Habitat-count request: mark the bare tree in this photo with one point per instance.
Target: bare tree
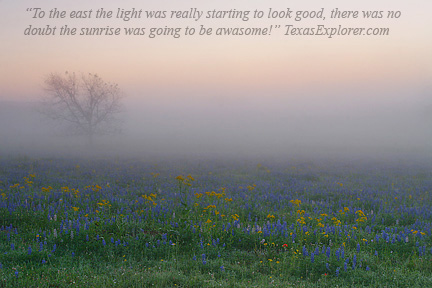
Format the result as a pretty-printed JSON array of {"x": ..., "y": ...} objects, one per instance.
[{"x": 86, "y": 104}]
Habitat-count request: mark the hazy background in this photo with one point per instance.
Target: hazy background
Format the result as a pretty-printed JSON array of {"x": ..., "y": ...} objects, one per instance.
[{"x": 268, "y": 96}]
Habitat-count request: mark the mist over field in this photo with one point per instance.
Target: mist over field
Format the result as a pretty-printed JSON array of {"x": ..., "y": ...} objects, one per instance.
[
  {"x": 334, "y": 126},
  {"x": 276, "y": 96}
]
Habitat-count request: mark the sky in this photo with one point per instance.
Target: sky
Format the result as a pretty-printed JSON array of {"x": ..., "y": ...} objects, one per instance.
[{"x": 237, "y": 94}]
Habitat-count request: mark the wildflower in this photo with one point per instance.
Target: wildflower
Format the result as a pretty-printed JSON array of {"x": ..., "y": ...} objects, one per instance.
[
  {"x": 337, "y": 271},
  {"x": 360, "y": 213},
  {"x": 222, "y": 268},
  {"x": 190, "y": 177},
  {"x": 296, "y": 202},
  {"x": 305, "y": 252},
  {"x": 16, "y": 273}
]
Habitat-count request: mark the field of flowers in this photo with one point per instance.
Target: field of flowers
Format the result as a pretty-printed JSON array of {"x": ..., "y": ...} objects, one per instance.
[{"x": 135, "y": 223}]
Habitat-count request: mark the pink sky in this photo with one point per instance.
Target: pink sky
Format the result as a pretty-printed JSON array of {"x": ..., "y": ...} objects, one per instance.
[{"x": 268, "y": 63}]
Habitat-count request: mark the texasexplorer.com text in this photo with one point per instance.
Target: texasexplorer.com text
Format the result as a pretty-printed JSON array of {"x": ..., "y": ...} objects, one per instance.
[{"x": 323, "y": 30}]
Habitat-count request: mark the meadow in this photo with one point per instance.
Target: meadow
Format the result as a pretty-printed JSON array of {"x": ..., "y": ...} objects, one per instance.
[{"x": 136, "y": 223}]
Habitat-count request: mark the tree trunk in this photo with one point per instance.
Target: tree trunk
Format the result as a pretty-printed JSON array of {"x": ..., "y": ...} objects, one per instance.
[{"x": 90, "y": 139}]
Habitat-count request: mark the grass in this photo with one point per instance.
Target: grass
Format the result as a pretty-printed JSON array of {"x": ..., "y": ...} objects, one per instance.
[{"x": 106, "y": 223}]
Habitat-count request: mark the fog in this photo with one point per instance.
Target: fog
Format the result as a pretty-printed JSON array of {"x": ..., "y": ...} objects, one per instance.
[
  {"x": 367, "y": 123},
  {"x": 228, "y": 97}
]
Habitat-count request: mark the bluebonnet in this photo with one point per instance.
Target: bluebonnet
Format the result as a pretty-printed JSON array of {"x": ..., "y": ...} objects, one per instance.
[{"x": 305, "y": 252}]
